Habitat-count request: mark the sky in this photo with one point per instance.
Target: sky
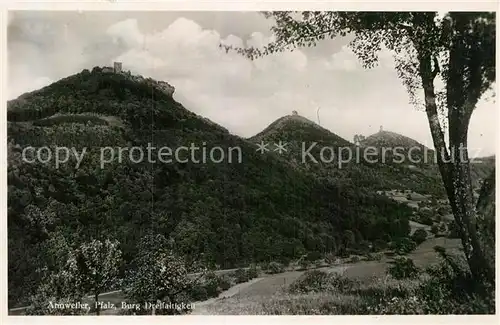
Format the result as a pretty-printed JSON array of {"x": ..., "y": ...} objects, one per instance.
[{"x": 244, "y": 96}]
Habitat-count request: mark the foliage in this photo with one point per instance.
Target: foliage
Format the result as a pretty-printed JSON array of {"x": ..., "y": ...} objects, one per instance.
[
  {"x": 354, "y": 259},
  {"x": 330, "y": 258},
  {"x": 374, "y": 256},
  {"x": 318, "y": 263},
  {"x": 304, "y": 263},
  {"x": 58, "y": 287},
  {"x": 224, "y": 283},
  {"x": 419, "y": 236},
  {"x": 449, "y": 288},
  {"x": 98, "y": 263},
  {"x": 313, "y": 256},
  {"x": 275, "y": 267},
  {"x": 241, "y": 275},
  {"x": 319, "y": 281},
  {"x": 403, "y": 268},
  {"x": 403, "y": 246},
  {"x": 252, "y": 272},
  {"x": 211, "y": 283},
  {"x": 158, "y": 275}
]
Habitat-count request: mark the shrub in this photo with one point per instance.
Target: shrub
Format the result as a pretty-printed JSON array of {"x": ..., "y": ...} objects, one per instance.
[
  {"x": 403, "y": 268},
  {"x": 313, "y": 256},
  {"x": 374, "y": 256},
  {"x": 284, "y": 261},
  {"x": 364, "y": 247},
  {"x": 404, "y": 246},
  {"x": 224, "y": 283},
  {"x": 198, "y": 293},
  {"x": 311, "y": 281},
  {"x": 435, "y": 229},
  {"x": 241, "y": 276},
  {"x": 426, "y": 220},
  {"x": 379, "y": 244},
  {"x": 419, "y": 236},
  {"x": 212, "y": 284},
  {"x": 252, "y": 272},
  {"x": 304, "y": 263},
  {"x": 319, "y": 281},
  {"x": 264, "y": 266},
  {"x": 354, "y": 259},
  {"x": 275, "y": 267},
  {"x": 448, "y": 289},
  {"x": 452, "y": 289},
  {"x": 330, "y": 258}
]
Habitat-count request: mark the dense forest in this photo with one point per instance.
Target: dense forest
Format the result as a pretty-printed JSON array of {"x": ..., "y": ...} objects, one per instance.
[{"x": 221, "y": 214}]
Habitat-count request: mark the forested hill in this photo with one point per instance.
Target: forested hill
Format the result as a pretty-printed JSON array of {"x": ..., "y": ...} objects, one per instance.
[
  {"x": 228, "y": 213},
  {"x": 425, "y": 158},
  {"x": 377, "y": 172}
]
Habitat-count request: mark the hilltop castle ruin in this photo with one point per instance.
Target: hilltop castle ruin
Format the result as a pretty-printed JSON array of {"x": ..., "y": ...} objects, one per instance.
[{"x": 163, "y": 86}]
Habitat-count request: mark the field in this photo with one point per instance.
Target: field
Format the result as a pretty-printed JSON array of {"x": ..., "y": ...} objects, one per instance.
[{"x": 268, "y": 295}]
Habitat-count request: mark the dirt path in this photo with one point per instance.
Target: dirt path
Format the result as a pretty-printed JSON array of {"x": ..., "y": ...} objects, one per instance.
[
  {"x": 255, "y": 289},
  {"x": 228, "y": 293}
]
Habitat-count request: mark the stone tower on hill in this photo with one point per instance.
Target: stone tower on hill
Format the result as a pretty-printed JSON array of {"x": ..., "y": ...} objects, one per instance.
[{"x": 117, "y": 67}]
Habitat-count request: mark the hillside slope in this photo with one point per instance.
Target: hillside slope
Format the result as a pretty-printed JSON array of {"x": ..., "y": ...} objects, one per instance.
[
  {"x": 424, "y": 158},
  {"x": 228, "y": 213},
  {"x": 350, "y": 166}
]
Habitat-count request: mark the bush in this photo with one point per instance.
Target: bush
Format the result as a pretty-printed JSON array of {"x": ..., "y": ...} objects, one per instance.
[
  {"x": 404, "y": 246},
  {"x": 304, "y": 264},
  {"x": 319, "y": 281},
  {"x": 313, "y": 256},
  {"x": 311, "y": 281},
  {"x": 198, "y": 293},
  {"x": 241, "y": 275},
  {"x": 403, "y": 268},
  {"x": 224, "y": 283},
  {"x": 284, "y": 261},
  {"x": 364, "y": 247},
  {"x": 212, "y": 285},
  {"x": 419, "y": 236},
  {"x": 435, "y": 229},
  {"x": 275, "y": 267},
  {"x": 379, "y": 244},
  {"x": 252, "y": 272},
  {"x": 354, "y": 259},
  {"x": 264, "y": 266},
  {"x": 374, "y": 256},
  {"x": 448, "y": 289},
  {"x": 330, "y": 258},
  {"x": 452, "y": 289}
]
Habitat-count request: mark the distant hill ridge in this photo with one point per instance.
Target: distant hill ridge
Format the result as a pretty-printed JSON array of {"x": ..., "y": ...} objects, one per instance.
[{"x": 391, "y": 140}]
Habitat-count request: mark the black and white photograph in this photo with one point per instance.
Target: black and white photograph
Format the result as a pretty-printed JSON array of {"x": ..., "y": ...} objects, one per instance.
[{"x": 166, "y": 162}]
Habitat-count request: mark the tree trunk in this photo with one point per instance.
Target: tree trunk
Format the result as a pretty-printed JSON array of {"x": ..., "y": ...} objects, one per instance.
[
  {"x": 455, "y": 170},
  {"x": 97, "y": 307},
  {"x": 460, "y": 184}
]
